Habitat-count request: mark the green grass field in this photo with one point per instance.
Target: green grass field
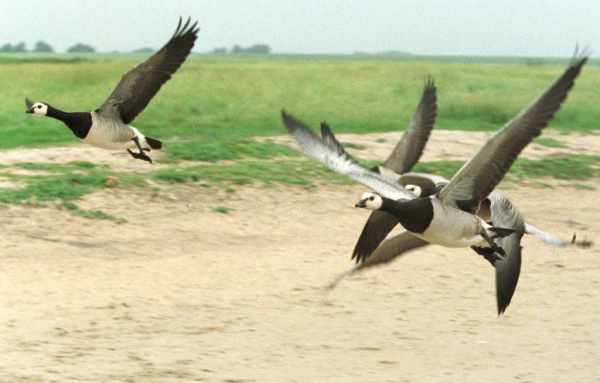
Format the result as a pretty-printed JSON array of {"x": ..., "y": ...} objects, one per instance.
[
  {"x": 215, "y": 99},
  {"x": 214, "y": 105}
]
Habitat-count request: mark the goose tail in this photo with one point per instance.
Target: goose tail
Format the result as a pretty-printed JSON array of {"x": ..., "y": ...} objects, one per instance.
[{"x": 153, "y": 143}]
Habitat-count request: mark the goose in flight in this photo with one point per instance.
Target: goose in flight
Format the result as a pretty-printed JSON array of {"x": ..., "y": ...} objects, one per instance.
[
  {"x": 108, "y": 126},
  {"x": 508, "y": 267},
  {"x": 495, "y": 208},
  {"x": 449, "y": 218}
]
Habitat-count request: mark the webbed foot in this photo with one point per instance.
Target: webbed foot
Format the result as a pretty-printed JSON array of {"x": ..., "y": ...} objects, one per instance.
[{"x": 140, "y": 156}]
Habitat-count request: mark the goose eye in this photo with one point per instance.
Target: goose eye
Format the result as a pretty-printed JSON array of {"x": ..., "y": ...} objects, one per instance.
[
  {"x": 371, "y": 198},
  {"x": 39, "y": 107}
]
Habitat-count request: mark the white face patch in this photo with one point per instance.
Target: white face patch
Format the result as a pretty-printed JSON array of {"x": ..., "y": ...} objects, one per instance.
[
  {"x": 372, "y": 201},
  {"x": 416, "y": 190},
  {"x": 39, "y": 109}
]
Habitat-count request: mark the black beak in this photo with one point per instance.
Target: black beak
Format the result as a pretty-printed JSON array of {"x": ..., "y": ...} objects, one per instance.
[
  {"x": 361, "y": 203},
  {"x": 29, "y": 106}
]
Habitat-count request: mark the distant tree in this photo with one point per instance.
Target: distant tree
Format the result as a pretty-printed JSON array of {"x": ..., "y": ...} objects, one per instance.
[
  {"x": 220, "y": 51},
  {"x": 258, "y": 49},
  {"x": 81, "y": 48},
  {"x": 19, "y": 48},
  {"x": 143, "y": 50},
  {"x": 6, "y": 48},
  {"x": 43, "y": 47}
]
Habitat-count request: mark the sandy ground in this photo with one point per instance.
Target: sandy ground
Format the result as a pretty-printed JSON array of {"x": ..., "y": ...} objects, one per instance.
[
  {"x": 182, "y": 293},
  {"x": 117, "y": 160},
  {"x": 454, "y": 145}
]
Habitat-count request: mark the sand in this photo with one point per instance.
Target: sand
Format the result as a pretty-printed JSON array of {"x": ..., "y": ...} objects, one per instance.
[{"x": 183, "y": 293}]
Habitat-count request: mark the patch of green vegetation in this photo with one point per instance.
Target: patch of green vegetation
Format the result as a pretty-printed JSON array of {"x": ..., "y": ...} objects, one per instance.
[
  {"x": 573, "y": 167},
  {"x": 549, "y": 142},
  {"x": 441, "y": 168},
  {"x": 64, "y": 186},
  {"x": 214, "y": 150},
  {"x": 221, "y": 209},
  {"x": 49, "y": 188},
  {"x": 293, "y": 172},
  {"x": 91, "y": 214}
]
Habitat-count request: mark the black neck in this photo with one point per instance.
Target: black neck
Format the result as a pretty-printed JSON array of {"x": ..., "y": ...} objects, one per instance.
[
  {"x": 415, "y": 215},
  {"x": 79, "y": 123}
]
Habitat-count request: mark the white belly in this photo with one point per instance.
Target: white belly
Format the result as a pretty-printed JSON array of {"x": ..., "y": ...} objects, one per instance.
[
  {"x": 109, "y": 134},
  {"x": 452, "y": 227}
]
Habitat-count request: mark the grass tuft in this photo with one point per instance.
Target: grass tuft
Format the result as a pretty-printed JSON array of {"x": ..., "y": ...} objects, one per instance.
[
  {"x": 222, "y": 209},
  {"x": 214, "y": 150},
  {"x": 91, "y": 214}
]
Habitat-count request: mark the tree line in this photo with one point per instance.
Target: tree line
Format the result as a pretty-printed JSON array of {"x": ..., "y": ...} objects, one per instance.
[
  {"x": 256, "y": 49},
  {"x": 44, "y": 47}
]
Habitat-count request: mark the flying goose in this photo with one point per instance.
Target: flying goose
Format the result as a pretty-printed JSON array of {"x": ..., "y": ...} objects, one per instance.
[
  {"x": 379, "y": 226},
  {"x": 492, "y": 209},
  {"x": 108, "y": 126},
  {"x": 448, "y": 218},
  {"x": 501, "y": 213}
]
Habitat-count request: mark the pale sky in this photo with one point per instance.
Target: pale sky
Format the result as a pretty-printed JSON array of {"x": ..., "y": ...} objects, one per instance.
[{"x": 455, "y": 27}]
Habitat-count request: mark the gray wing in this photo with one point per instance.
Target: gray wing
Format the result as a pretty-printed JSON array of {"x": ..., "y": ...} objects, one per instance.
[
  {"x": 408, "y": 151},
  {"x": 139, "y": 85},
  {"x": 329, "y": 151},
  {"x": 388, "y": 251},
  {"x": 480, "y": 175},
  {"x": 380, "y": 223},
  {"x": 504, "y": 214}
]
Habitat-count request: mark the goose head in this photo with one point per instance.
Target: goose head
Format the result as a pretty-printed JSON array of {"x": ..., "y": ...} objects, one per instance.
[
  {"x": 370, "y": 200},
  {"x": 415, "y": 189},
  {"x": 36, "y": 108}
]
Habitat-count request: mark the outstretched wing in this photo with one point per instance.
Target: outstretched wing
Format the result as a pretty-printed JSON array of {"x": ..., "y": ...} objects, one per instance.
[
  {"x": 330, "y": 152},
  {"x": 480, "y": 175},
  {"x": 139, "y": 85},
  {"x": 408, "y": 151},
  {"x": 505, "y": 214}
]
